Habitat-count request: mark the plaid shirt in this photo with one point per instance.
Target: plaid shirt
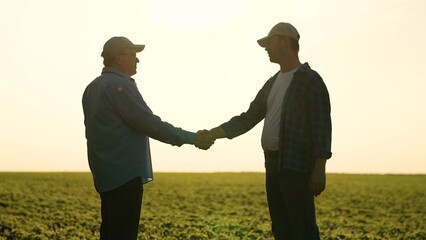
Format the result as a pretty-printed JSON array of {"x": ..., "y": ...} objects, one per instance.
[{"x": 305, "y": 127}]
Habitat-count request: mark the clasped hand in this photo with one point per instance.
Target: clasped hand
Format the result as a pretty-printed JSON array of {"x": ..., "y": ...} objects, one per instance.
[{"x": 204, "y": 139}]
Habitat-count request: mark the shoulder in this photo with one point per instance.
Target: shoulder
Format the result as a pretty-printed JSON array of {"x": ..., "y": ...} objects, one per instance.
[
  {"x": 113, "y": 81},
  {"x": 309, "y": 76},
  {"x": 306, "y": 71}
]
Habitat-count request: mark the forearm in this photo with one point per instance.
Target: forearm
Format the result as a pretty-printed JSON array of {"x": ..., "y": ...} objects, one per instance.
[
  {"x": 167, "y": 133},
  {"x": 318, "y": 178},
  {"x": 218, "y": 132},
  {"x": 242, "y": 123},
  {"x": 320, "y": 163}
]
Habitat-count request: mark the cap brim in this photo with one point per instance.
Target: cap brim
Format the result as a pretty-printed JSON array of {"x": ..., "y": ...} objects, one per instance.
[
  {"x": 138, "y": 48},
  {"x": 262, "y": 42}
]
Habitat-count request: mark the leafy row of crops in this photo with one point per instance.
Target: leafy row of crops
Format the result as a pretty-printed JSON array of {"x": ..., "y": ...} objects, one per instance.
[{"x": 211, "y": 206}]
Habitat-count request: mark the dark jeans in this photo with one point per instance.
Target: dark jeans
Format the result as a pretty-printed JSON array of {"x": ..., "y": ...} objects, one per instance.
[
  {"x": 120, "y": 210},
  {"x": 291, "y": 207}
]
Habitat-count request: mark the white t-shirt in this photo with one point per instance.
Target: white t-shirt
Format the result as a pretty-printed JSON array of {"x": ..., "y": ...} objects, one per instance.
[{"x": 271, "y": 127}]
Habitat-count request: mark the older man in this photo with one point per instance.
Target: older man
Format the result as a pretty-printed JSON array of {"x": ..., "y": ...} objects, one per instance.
[{"x": 118, "y": 123}]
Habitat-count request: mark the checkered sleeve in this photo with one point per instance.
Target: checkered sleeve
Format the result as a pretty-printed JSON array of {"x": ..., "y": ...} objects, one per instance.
[{"x": 320, "y": 110}]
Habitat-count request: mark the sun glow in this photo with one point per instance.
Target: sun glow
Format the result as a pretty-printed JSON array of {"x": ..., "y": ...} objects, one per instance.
[{"x": 193, "y": 14}]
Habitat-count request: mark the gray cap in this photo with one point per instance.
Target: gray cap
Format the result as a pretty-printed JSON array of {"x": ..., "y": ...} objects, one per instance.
[
  {"x": 281, "y": 29},
  {"x": 118, "y": 43}
]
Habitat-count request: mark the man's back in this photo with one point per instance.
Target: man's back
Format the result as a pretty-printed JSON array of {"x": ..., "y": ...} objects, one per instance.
[{"x": 116, "y": 151}]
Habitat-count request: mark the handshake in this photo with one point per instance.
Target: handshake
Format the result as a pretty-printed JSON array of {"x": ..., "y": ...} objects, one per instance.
[{"x": 206, "y": 138}]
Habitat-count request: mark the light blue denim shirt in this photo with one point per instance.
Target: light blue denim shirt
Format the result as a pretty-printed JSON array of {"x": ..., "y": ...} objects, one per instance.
[{"x": 118, "y": 123}]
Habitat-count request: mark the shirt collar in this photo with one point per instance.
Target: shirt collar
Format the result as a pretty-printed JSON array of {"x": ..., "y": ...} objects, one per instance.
[
  {"x": 114, "y": 70},
  {"x": 304, "y": 68},
  {"x": 118, "y": 72}
]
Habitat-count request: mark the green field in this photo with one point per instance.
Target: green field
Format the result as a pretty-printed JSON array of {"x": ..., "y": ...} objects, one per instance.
[{"x": 211, "y": 206}]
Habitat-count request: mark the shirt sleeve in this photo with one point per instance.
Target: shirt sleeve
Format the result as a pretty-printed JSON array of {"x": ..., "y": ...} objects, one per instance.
[
  {"x": 320, "y": 118},
  {"x": 133, "y": 110},
  {"x": 241, "y": 124}
]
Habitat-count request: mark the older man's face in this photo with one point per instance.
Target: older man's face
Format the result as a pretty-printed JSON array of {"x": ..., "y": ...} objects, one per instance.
[{"x": 128, "y": 61}]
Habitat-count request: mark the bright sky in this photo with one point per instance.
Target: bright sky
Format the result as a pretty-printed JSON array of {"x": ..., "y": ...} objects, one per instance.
[{"x": 202, "y": 66}]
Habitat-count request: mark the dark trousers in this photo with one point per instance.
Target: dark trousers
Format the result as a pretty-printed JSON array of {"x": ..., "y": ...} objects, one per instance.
[
  {"x": 291, "y": 207},
  {"x": 120, "y": 210}
]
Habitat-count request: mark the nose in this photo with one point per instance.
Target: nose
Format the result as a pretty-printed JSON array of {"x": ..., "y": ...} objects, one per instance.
[{"x": 137, "y": 59}]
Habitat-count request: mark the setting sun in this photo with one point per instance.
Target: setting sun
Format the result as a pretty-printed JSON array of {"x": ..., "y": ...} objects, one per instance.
[{"x": 193, "y": 14}]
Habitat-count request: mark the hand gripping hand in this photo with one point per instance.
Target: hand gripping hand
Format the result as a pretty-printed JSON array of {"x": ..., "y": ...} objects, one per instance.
[{"x": 204, "y": 139}]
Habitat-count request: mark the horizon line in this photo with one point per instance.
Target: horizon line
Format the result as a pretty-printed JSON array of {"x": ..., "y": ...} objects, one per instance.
[{"x": 183, "y": 172}]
